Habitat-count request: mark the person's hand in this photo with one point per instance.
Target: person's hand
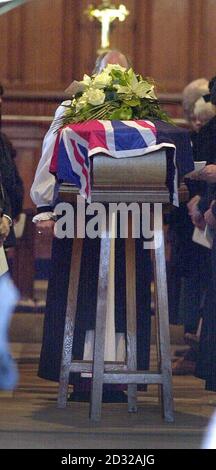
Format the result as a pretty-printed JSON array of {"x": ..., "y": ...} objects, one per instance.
[
  {"x": 208, "y": 174},
  {"x": 209, "y": 217},
  {"x": 4, "y": 229},
  {"x": 198, "y": 220},
  {"x": 196, "y": 216},
  {"x": 193, "y": 202},
  {"x": 45, "y": 228}
]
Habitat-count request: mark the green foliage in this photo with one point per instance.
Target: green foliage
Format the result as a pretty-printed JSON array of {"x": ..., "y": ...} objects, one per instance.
[{"x": 114, "y": 94}]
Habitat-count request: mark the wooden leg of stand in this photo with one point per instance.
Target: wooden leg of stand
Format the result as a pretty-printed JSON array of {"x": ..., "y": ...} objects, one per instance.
[
  {"x": 157, "y": 327},
  {"x": 98, "y": 362},
  {"x": 131, "y": 315},
  {"x": 70, "y": 321},
  {"x": 163, "y": 323}
]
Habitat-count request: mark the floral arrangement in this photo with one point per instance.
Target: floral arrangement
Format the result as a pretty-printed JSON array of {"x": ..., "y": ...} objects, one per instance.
[{"x": 114, "y": 94}]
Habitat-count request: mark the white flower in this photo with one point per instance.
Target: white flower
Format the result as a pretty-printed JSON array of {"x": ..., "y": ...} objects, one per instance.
[
  {"x": 86, "y": 81},
  {"x": 142, "y": 89},
  {"x": 111, "y": 67},
  {"x": 102, "y": 80},
  {"x": 81, "y": 102},
  {"x": 79, "y": 87},
  {"x": 95, "y": 97},
  {"x": 91, "y": 96},
  {"x": 145, "y": 90}
]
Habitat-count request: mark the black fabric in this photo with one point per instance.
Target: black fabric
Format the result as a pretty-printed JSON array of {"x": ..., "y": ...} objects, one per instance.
[
  {"x": 206, "y": 360},
  {"x": 181, "y": 139},
  {"x": 196, "y": 187},
  {"x": 206, "y": 142},
  {"x": 188, "y": 259},
  {"x": 213, "y": 209},
  {"x": 187, "y": 255},
  {"x": 5, "y": 207},
  {"x": 212, "y": 89},
  {"x": 42, "y": 209},
  {"x": 191, "y": 262},
  {"x": 11, "y": 180},
  {"x": 207, "y": 150},
  {"x": 12, "y": 185}
]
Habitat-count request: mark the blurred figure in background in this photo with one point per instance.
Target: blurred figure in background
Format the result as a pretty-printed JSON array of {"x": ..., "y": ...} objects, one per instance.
[
  {"x": 190, "y": 94},
  {"x": 11, "y": 180},
  {"x": 209, "y": 440},
  {"x": 111, "y": 57},
  {"x": 8, "y": 299},
  {"x": 203, "y": 112},
  {"x": 5, "y": 215},
  {"x": 8, "y": 368}
]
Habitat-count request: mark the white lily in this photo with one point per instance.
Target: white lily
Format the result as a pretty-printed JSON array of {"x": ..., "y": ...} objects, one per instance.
[
  {"x": 81, "y": 102},
  {"x": 102, "y": 80},
  {"x": 86, "y": 81},
  {"x": 95, "y": 97},
  {"x": 111, "y": 67}
]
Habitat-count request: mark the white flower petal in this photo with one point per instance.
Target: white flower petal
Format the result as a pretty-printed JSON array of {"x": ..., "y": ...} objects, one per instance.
[{"x": 95, "y": 97}]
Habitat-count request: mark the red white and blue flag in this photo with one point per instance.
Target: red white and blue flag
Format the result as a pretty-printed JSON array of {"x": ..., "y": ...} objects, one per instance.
[{"x": 76, "y": 143}]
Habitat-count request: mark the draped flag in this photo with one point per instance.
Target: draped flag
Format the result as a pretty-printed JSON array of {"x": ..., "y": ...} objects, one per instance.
[{"x": 76, "y": 143}]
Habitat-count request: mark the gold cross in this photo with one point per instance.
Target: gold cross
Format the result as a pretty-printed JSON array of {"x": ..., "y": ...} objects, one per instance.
[{"x": 106, "y": 14}]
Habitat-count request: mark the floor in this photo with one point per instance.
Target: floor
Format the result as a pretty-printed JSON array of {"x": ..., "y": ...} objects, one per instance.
[{"x": 30, "y": 418}]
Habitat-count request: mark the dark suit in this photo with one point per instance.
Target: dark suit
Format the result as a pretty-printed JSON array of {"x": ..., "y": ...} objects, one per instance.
[
  {"x": 11, "y": 182},
  {"x": 5, "y": 207},
  {"x": 188, "y": 261},
  {"x": 206, "y": 362}
]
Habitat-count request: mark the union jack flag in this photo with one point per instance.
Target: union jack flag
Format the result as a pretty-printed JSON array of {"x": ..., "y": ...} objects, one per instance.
[{"x": 76, "y": 143}]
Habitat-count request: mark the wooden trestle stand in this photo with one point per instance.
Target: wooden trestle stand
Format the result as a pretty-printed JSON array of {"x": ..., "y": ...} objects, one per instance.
[{"x": 142, "y": 180}]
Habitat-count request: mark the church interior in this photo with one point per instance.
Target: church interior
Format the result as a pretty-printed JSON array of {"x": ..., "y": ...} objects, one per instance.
[{"x": 45, "y": 46}]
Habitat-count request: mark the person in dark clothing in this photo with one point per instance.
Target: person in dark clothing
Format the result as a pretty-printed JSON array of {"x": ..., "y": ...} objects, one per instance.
[
  {"x": 203, "y": 211},
  {"x": 187, "y": 258},
  {"x": 11, "y": 180},
  {"x": 5, "y": 213},
  {"x": 49, "y": 368},
  {"x": 189, "y": 268}
]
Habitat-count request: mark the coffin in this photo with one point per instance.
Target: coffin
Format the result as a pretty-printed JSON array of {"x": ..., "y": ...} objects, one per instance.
[
  {"x": 130, "y": 172},
  {"x": 130, "y": 179}
]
